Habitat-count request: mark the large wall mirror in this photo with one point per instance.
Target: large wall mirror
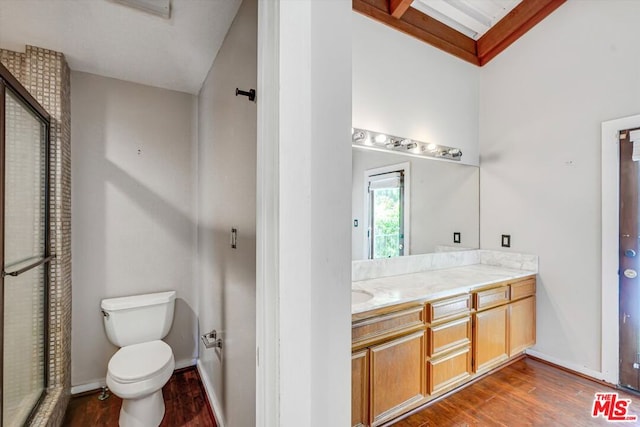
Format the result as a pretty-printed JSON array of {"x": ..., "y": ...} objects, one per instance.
[{"x": 406, "y": 205}]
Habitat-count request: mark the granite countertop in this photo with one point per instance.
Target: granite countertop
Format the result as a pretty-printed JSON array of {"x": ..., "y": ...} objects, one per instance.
[{"x": 430, "y": 284}]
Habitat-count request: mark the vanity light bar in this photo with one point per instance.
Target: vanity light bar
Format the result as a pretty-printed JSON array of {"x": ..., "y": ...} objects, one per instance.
[{"x": 380, "y": 141}]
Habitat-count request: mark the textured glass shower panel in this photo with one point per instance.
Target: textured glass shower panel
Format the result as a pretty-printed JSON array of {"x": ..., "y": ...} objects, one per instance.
[
  {"x": 24, "y": 243},
  {"x": 23, "y": 380},
  {"x": 24, "y": 186}
]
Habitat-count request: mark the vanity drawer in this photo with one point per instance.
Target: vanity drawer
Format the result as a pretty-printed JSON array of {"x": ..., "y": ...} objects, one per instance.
[
  {"x": 491, "y": 297},
  {"x": 523, "y": 288},
  {"x": 447, "y": 372},
  {"x": 387, "y": 325},
  {"x": 448, "y": 307},
  {"x": 448, "y": 335}
]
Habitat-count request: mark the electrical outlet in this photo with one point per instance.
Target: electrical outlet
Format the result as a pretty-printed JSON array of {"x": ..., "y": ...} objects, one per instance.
[
  {"x": 506, "y": 240},
  {"x": 355, "y": 222},
  {"x": 456, "y": 237}
]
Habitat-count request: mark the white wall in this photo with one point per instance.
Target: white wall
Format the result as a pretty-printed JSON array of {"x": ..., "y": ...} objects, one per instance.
[
  {"x": 542, "y": 104},
  {"x": 444, "y": 199},
  {"x": 330, "y": 273},
  {"x": 133, "y": 210},
  {"x": 310, "y": 153},
  {"x": 227, "y": 198},
  {"x": 405, "y": 87}
]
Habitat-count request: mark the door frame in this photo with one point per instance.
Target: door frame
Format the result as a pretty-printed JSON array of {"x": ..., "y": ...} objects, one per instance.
[
  {"x": 610, "y": 342},
  {"x": 267, "y": 217}
]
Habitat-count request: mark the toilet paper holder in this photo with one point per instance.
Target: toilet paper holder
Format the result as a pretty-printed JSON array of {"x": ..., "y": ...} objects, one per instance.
[{"x": 211, "y": 340}]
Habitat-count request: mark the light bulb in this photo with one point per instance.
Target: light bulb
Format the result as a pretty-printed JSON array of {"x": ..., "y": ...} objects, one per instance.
[
  {"x": 381, "y": 138},
  {"x": 358, "y": 136}
]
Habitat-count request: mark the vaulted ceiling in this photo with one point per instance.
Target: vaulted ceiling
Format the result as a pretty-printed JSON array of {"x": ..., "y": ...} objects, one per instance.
[
  {"x": 109, "y": 39},
  {"x": 473, "y": 30}
]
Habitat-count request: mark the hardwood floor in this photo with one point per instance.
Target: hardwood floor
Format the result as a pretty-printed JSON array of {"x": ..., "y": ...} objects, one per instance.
[
  {"x": 184, "y": 399},
  {"x": 525, "y": 393}
]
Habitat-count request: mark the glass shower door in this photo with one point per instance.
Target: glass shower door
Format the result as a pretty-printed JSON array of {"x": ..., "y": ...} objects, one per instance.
[{"x": 25, "y": 276}]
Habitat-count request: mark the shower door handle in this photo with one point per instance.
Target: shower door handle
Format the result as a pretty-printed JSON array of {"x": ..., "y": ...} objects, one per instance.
[{"x": 27, "y": 268}]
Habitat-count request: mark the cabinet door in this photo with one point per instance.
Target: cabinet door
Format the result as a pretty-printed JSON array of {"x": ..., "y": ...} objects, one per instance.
[
  {"x": 490, "y": 338},
  {"x": 360, "y": 388},
  {"x": 522, "y": 325},
  {"x": 398, "y": 381}
]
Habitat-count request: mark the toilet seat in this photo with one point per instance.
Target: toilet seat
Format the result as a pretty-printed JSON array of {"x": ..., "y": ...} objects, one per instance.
[{"x": 139, "y": 362}]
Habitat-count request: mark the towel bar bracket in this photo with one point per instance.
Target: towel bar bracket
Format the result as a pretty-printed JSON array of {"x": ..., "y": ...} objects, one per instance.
[{"x": 211, "y": 340}]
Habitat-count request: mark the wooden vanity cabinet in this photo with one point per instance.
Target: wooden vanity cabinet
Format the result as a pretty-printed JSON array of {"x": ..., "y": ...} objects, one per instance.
[
  {"x": 448, "y": 336},
  {"x": 403, "y": 356},
  {"x": 448, "y": 343},
  {"x": 504, "y": 322},
  {"x": 522, "y": 288},
  {"x": 448, "y": 354},
  {"x": 447, "y": 308},
  {"x": 388, "y": 374},
  {"x": 522, "y": 316},
  {"x": 491, "y": 297},
  {"x": 360, "y": 388},
  {"x": 490, "y": 338},
  {"x": 522, "y": 325},
  {"x": 397, "y": 377}
]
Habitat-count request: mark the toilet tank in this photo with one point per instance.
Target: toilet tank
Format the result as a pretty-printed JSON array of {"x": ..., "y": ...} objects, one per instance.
[{"x": 138, "y": 318}]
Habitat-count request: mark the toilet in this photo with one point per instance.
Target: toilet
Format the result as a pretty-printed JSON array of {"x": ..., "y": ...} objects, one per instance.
[{"x": 144, "y": 363}]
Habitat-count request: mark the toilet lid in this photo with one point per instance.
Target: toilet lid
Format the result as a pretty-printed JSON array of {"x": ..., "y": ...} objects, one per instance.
[{"x": 138, "y": 362}]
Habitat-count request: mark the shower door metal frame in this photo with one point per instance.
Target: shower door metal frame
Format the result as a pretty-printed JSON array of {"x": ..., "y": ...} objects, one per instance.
[{"x": 9, "y": 83}]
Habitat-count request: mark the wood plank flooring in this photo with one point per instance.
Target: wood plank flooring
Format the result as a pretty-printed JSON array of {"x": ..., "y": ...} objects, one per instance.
[
  {"x": 184, "y": 399},
  {"x": 525, "y": 393}
]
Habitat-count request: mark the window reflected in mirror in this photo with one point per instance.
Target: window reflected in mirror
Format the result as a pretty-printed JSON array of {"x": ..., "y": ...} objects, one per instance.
[{"x": 386, "y": 214}]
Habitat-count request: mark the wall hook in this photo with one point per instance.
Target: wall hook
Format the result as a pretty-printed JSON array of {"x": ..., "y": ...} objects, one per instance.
[{"x": 251, "y": 94}]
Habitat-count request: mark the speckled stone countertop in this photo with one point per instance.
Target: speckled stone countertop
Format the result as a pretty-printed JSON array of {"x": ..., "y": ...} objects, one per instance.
[{"x": 430, "y": 284}]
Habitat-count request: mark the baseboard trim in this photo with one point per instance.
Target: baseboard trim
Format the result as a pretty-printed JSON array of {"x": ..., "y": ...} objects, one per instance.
[
  {"x": 102, "y": 382},
  {"x": 211, "y": 395},
  {"x": 580, "y": 371},
  {"x": 185, "y": 363},
  {"x": 88, "y": 387},
  {"x": 585, "y": 373}
]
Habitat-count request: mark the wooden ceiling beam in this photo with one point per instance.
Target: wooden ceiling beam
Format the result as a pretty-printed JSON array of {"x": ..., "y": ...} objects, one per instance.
[
  {"x": 397, "y": 8},
  {"x": 514, "y": 25},
  {"x": 422, "y": 27}
]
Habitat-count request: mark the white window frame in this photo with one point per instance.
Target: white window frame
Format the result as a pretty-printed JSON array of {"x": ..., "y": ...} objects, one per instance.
[{"x": 405, "y": 168}]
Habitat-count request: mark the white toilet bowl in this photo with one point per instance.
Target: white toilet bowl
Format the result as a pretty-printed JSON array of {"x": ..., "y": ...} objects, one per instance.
[
  {"x": 144, "y": 364},
  {"x": 137, "y": 373}
]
